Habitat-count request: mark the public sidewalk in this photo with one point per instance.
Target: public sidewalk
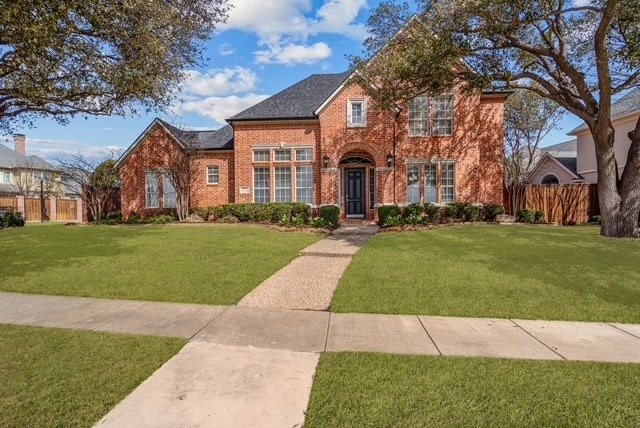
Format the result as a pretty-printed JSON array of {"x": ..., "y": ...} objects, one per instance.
[{"x": 316, "y": 331}]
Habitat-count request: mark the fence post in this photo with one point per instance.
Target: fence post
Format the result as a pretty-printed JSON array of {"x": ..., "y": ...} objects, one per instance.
[
  {"x": 53, "y": 209},
  {"x": 21, "y": 205},
  {"x": 79, "y": 211}
]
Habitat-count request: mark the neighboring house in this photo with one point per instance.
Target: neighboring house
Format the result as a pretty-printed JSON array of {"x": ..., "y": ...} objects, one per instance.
[
  {"x": 624, "y": 116},
  {"x": 324, "y": 141},
  {"x": 21, "y": 174},
  {"x": 556, "y": 164}
]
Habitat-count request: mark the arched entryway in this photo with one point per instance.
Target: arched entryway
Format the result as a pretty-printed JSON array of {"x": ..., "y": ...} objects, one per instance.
[{"x": 357, "y": 188}]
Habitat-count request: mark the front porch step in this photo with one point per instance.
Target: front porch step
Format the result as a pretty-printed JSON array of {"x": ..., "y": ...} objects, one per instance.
[{"x": 362, "y": 229}]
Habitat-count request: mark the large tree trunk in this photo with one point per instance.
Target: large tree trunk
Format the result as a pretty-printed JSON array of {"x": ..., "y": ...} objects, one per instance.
[{"x": 619, "y": 198}]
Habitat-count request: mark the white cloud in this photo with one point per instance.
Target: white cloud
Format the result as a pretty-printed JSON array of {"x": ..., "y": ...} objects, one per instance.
[
  {"x": 226, "y": 49},
  {"x": 581, "y": 3},
  {"x": 219, "y": 108},
  {"x": 292, "y": 54},
  {"x": 291, "y": 23},
  {"x": 52, "y": 149},
  {"x": 217, "y": 82}
]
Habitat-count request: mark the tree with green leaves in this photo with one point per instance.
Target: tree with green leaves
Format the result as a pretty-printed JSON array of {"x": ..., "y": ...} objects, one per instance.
[
  {"x": 95, "y": 57},
  {"x": 579, "y": 54},
  {"x": 528, "y": 118}
]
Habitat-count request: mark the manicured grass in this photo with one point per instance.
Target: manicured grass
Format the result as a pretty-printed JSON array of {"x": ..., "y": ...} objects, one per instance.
[
  {"x": 377, "y": 390},
  {"x": 214, "y": 264},
  {"x": 531, "y": 272},
  {"x": 64, "y": 378}
]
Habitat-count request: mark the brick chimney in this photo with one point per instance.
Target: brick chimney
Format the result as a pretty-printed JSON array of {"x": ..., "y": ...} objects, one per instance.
[{"x": 20, "y": 142}]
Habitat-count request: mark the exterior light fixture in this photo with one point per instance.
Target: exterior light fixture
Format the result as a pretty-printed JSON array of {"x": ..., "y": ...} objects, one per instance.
[
  {"x": 326, "y": 160},
  {"x": 389, "y": 159}
]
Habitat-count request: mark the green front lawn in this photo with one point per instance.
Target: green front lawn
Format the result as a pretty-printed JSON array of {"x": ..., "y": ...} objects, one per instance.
[
  {"x": 531, "y": 272},
  {"x": 65, "y": 378},
  {"x": 213, "y": 264},
  {"x": 377, "y": 390}
]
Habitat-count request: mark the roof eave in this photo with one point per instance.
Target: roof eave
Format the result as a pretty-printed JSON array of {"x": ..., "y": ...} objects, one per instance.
[{"x": 141, "y": 137}]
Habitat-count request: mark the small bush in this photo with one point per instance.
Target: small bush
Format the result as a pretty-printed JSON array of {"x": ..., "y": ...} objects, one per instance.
[
  {"x": 414, "y": 219},
  {"x": 160, "y": 219},
  {"x": 471, "y": 213},
  {"x": 538, "y": 217},
  {"x": 526, "y": 216},
  {"x": 451, "y": 212},
  {"x": 492, "y": 211},
  {"x": 393, "y": 220},
  {"x": 387, "y": 211},
  {"x": 317, "y": 222},
  {"x": 596, "y": 219},
  {"x": 412, "y": 210},
  {"x": 330, "y": 214},
  {"x": 12, "y": 219},
  {"x": 433, "y": 213}
]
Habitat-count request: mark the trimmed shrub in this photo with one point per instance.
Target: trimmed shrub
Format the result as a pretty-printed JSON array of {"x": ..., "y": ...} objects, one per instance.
[
  {"x": 317, "y": 222},
  {"x": 393, "y": 220},
  {"x": 538, "y": 217},
  {"x": 451, "y": 212},
  {"x": 491, "y": 211},
  {"x": 412, "y": 210},
  {"x": 386, "y": 211},
  {"x": 12, "y": 219},
  {"x": 160, "y": 219},
  {"x": 471, "y": 213},
  {"x": 330, "y": 214},
  {"x": 597, "y": 219},
  {"x": 413, "y": 219},
  {"x": 526, "y": 216},
  {"x": 433, "y": 213}
]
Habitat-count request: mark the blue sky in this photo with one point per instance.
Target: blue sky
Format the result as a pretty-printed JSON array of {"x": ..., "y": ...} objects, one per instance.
[{"x": 266, "y": 46}]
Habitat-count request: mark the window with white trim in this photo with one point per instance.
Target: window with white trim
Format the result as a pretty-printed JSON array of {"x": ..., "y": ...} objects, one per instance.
[
  {"x": 356, "y": 113},
  {"x": 413, "y": 183},
  {"x": 304, "y": 184},
  {"x": 168, "y": 193},
  {"x": 443, "y": 115},
  {"x": 431, "y": 183},
  {"x": 261, "y": 184},
  {"x": 5, "y": 177},
  {"x": 282, "y": 155},
  {"x": 152, "y": 189},
  {"x": 213, "y": 176},
  {"x": 261, "y": 155},
  {"x": 448, "y": 183},
  {"x": 419, "y": 116},
  {"x": 282, "y": 184}
]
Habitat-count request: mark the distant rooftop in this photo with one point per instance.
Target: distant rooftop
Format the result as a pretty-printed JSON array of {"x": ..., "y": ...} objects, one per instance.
[{"x": 624, "y": 106}]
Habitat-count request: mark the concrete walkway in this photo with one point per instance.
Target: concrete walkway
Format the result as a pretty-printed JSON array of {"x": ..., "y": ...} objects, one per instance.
[
  {"x": 308, "y": 282},
  {"x": 314, "y": 331}
]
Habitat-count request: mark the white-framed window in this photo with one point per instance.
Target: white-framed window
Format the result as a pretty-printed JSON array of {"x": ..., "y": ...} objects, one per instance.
[
  {"x": 356, "y": 112},
  {"x": 213, "y": 176},
  {"x": 152, "y": 189},
  {"x": 443, "y": 115},
  {"x": 168, "y": 193},
  {"x": 282, "y": 184},
  {"x": 261, "y": 155},
  {"x": 5, "y": 177},
  {"x": 304, "y": 184},
  {"x": 261, "y": 184},
  {"x": 282, "y": 155},
  {"x": 431, "y": 183},
  {"x": 413, "y": 183},
  {"x": 419, "y": 116},
  {"x": 304, "y": 155},
  {"x": 448, "y": 182}
]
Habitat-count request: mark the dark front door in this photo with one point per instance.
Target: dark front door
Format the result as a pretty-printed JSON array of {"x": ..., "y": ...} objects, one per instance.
[{"x": 355, "y": 192}]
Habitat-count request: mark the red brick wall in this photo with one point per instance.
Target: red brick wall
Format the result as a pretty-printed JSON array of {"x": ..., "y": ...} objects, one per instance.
[
  {"x": 248, "y": 136},
  {"x": 154, "y": 153}
]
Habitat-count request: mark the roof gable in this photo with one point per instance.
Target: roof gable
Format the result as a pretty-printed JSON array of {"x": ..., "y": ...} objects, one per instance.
[{"x": 567, "y": 164}]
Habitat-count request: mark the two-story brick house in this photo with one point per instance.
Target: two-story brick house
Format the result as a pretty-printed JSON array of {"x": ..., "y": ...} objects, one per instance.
[{"x": 324, "y": 141}]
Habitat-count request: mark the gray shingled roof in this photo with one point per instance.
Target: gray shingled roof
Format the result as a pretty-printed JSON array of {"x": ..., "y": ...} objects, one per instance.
[
  {"x": 299, "y": 101},
  {"x": 10, "y": 159},
  {"x": 570, "y": 163},
  {"x": 628, "y": 104},
  {"x": 570, "y": 146},
  {"x": 221, "y": 139}
]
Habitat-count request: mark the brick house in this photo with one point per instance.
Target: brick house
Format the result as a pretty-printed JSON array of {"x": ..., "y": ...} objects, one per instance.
[{"x": 324, "y": 141}]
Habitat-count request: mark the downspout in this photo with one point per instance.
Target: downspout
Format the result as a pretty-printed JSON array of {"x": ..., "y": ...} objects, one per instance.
[{"x": 395, "y": 119}]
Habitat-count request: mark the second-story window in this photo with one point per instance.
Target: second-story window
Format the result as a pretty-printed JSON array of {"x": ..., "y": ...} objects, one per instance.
[
  {"x": 443, "y": 115},
  {"x": 356, "y": 113},
  {"x": 419, "y": 116}
]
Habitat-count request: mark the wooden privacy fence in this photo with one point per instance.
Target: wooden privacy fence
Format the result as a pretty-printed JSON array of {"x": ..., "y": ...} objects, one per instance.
[
  {"x": 55, "y": 209},
  {"x": 566, "y": 204}
]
